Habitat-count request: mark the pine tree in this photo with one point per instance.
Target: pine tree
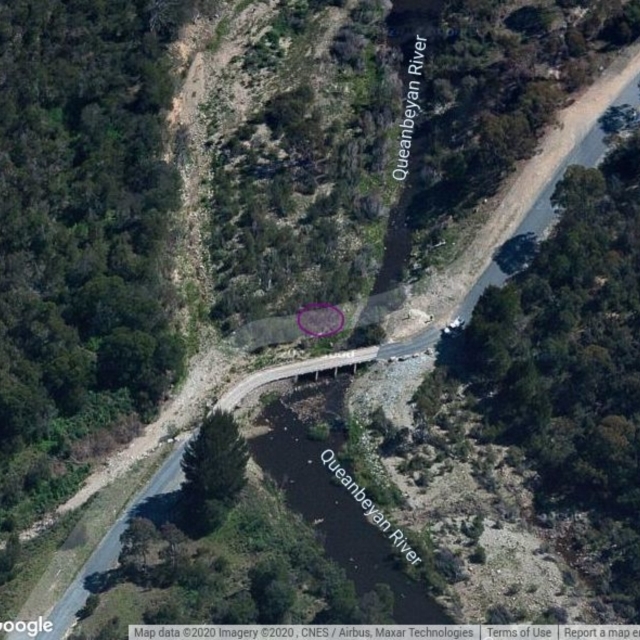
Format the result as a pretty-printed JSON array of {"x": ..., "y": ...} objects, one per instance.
[{"x": 214, "y": 466}]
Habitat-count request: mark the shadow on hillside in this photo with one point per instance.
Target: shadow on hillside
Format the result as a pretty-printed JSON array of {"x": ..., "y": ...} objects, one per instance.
[{"x": 451, "y": 352}]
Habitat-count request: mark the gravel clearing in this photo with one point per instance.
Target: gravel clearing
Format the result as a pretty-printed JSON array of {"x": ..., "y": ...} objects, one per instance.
[{"x": 390, "y": 386}]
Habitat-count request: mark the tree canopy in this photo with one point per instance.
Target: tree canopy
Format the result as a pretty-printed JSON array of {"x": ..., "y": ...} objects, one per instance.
[
  {"x": 556, "y": 358},
  {"x": 87, "y": 197},
  {"x": 214, "y": 468}
]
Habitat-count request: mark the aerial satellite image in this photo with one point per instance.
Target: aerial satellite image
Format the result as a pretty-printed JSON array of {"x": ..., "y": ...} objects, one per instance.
[{"x": 319, "y": 314}]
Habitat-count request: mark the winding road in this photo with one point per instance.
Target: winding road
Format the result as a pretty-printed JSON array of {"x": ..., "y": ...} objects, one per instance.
[{"x": 587, "y": 151}]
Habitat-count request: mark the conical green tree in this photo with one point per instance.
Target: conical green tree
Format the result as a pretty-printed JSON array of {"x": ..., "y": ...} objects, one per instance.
[{"x": 214, "y": 465}]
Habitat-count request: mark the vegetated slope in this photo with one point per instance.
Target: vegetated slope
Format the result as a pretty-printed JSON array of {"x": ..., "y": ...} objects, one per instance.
[
  {"x": 299, "y": 193},
  {"x": 85, "y": 211},
  {"x": 494, "y": 76},
  {"x": 556, "y": 358}
]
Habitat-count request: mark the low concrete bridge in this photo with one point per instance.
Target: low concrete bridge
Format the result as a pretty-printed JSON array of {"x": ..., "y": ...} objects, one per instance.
[{"x": 232, "y": 398}]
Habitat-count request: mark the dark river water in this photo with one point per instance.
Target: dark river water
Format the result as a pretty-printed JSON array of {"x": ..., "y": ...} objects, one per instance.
[
  {"x": 293, "y": 460},
  {"x": 407, "y": 19}
]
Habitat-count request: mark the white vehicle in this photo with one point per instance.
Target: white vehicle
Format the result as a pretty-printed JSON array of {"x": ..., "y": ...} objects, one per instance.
[{"x": 455, "y": 324}]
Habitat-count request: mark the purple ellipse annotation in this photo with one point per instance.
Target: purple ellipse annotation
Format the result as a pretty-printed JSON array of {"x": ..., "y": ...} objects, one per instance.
[{"x": 320, "y": 319}]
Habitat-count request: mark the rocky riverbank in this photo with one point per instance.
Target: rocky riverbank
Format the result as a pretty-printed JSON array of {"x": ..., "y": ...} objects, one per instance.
[{"x": 501, "y": 563}]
